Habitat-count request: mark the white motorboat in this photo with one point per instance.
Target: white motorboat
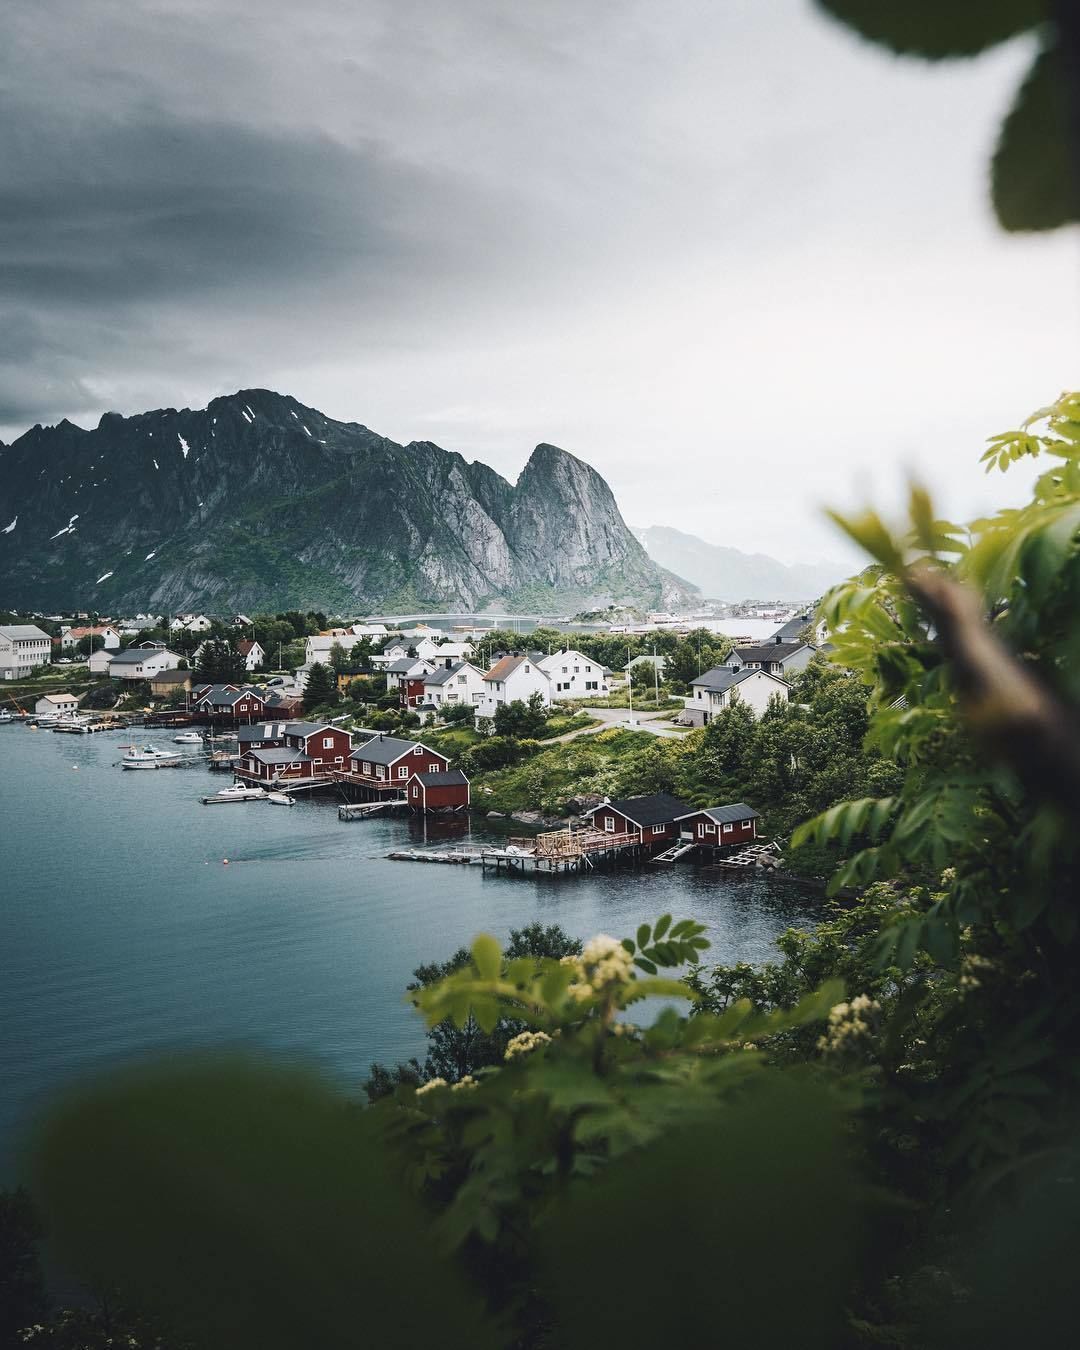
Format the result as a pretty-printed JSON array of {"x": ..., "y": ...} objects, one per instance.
[
  {"x": 5, "y": 716},
  {"x": 149, "y": 757},
  {"x": 280, "y": 799},
  {"x": 238, "y": 792},
  {"x": 188, "y": 738}
]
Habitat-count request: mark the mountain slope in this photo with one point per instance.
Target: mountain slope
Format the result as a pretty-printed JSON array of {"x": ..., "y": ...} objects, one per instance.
[
  {"x": 729, "y": 574},
  {"x": 260, "y": 502}
]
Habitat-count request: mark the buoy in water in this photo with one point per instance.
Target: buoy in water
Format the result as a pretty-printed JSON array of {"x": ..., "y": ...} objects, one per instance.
[{"x": 225, "y": 862}]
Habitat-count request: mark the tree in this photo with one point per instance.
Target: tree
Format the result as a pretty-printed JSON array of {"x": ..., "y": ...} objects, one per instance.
[
  {"x": 521, "y": 719},
  {"x": 455, "y": 1052},
  {"x": 92, "y": 642},
  {"x": 321, "y": 688},
  {"x": 339, "y": 658}
]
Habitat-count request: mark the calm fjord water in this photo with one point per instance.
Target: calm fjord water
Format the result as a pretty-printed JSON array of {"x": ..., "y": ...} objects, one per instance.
[{"x": 124, "y": 933}]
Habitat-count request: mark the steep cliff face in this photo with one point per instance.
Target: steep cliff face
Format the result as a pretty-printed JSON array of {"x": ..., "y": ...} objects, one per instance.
[{"x": 258, "y": 501}]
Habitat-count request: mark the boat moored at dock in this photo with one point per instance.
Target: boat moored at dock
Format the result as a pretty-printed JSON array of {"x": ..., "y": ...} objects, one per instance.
[
  {"x": 149, "y": 757},
  {"x": 236, "y": 792}
]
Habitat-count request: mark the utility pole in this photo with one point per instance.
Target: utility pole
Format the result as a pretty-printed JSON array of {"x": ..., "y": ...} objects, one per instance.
[
  {"x": 656, "y": 675},
  {"x": 630, "y": 686}
]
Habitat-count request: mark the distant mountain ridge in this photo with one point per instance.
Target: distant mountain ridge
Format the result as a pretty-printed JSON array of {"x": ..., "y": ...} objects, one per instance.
[
  {"x": 724, "y": 573},
  {"x": 259, "y": 502}
]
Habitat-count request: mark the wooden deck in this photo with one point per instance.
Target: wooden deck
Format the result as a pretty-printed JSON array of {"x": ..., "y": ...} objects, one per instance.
[{"x": 563, "y": 851}]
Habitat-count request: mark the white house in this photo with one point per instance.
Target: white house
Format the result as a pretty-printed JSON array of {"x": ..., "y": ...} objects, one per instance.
[
  {"x": 22, "y": 647},
  {"x": 517, "y": 676},
  {"x": 369, "y": 630},
  {"x": 251, "y": 650},
  {"x": 319, "y": 647},
  {"x": 49, "y": 705},
  {"x": 191, "y": 623},
  {"x": 574, "y": 676},
  {"x": 140, "y": 663},
  {"x": 394, "y": 652},
  {"x": 71, "y": 637},
  {"x": 720, "y": 688},
  {"x": 100, "y": 661},
  {"x": 778, "y": 658},
  {"x": 458, "y": 683},
  {"x": 409, "y": 670},
  {"x": 444, "y": 654}
]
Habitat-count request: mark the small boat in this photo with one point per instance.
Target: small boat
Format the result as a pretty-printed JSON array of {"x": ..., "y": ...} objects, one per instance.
[
  {"x": 238, "y": 792},
  {"x": 188, "y": 738},
  {"x": 280, "y": 799},
  {"x": 149, "y": 757},
  {"x": 5, "y": 716}
]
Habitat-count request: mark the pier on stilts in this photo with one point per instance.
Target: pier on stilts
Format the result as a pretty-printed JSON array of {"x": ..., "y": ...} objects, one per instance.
[
  {"x": 361, "y": 810},
  {"x": 565, "y": 851}
]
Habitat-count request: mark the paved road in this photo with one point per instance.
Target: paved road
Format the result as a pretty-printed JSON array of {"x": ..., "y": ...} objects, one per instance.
[{"x": 654, "y": 723}]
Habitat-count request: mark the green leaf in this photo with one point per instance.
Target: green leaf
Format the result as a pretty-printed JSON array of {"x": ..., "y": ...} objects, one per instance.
[
  {"x": 643, "y": 935},
  {"x": 643, "y": 963},
  {"x": 936, "y": 29},
  {"x": 487, "y": 956},
  {"x": 629, "y": 946},
  {"x": 662, "y": 925},
  {"x": 1033, "y": 177}
]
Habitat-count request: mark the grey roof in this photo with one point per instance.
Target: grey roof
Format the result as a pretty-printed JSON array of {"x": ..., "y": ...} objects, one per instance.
[
  {"x": 133, "y": 655},
  {"x": 720, "y": 679},
  {"x": 279, "y": 756},
  {"x": 790, "y": 631},
  {"x": 263, "y": 731},
  {"x": 443, "y": 673},
  {"x": 307, "y": 728},
  {"x": 20, "y": 632},
  {"x": 386, "y": 749},
  {"x": 660, "y": 808},
  {"x": 726, "y": 815},
  {"x": 769, "y": 651},
  {"x": 402, "y": 664},
  {"x": 446, "y": 778},
  {"x": 229, "y": 696}
]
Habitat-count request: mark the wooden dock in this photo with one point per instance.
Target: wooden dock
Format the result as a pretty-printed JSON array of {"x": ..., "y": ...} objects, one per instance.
[
  {"x": 361, "y": 810},
  {"x": 566, "y": 850}
]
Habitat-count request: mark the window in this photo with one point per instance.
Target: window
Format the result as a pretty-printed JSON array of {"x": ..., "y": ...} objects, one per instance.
[
  {"x": 745, "y": 824},
  {"x": 403, "y": 771},
  {"x": 418, "y": 749},
  {"x": 591, "y": 684},
  {"x": 566, "y": 670},
  {"x": 461, "y": 679},
  {"x": 367, "y": 769},
  {"x": 526, "y": 670},
  {"x": 659, "y": 829},
  {"x": 609, "y": 824},
  {"x": 328, "y": 743},
  {"x": 710, "y": 829},
  {"x": 728, "y": 829},
  {"x": 415, "y": 791},
  {"x": 380, "y": 772}
]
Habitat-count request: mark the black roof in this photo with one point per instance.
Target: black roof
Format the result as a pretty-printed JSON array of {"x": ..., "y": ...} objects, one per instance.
[
  {"x": 386, "y": 749},
  {"x": 263, "y": 731},
  {"x": 658, "y": 809},
  {"x": 794, "y": 626},
  {"x": 279, "y": 756},
  {"x": 768, "y": 651},
  {"x": 726, "y": 815},
  {"x": 720, "y": 678},
  {"x": 448, "y": 778}
]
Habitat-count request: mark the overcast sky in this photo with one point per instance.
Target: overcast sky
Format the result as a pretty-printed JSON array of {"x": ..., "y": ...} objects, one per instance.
[{"x": 733, "y": 257}]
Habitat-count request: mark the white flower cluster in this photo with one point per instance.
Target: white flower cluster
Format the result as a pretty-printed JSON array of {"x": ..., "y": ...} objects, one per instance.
[
  {"x": 525, "y": 1041},
  {"x": 430, "y": 1086},
  {"x": 603, "y": 962},
  {"x": 970, "y": 967},
  {"x": 849, "y": 1025},
  {"x": 463, "y": 1084}
]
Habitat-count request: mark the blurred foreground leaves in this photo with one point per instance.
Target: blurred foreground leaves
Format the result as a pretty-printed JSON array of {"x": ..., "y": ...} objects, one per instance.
[{"x": 249, "y": 1206}]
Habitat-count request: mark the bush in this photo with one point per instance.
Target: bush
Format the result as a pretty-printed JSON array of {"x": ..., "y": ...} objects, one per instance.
[{"x": 459, "y": 713}]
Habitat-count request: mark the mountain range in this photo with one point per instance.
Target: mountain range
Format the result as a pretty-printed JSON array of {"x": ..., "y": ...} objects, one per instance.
[
  {"x": 257, "y": 502},
  {"x": 723, "y": 573}
]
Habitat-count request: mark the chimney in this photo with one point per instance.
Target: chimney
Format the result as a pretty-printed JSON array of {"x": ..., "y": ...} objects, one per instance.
[{"x": 778, "y": 639}]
